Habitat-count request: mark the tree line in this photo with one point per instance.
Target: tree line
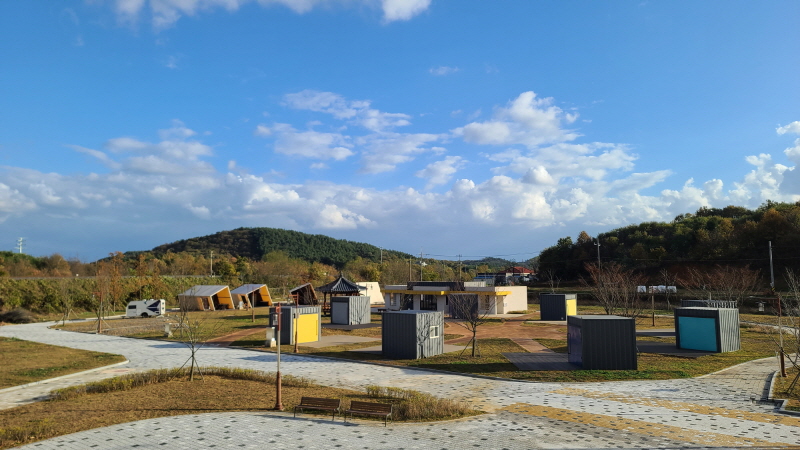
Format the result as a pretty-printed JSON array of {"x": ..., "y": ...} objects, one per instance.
[{"x": 732, "y": 235}]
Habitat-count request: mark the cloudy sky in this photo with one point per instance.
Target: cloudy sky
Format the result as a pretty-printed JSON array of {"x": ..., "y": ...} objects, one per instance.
[{"x": 447, "y": 127}]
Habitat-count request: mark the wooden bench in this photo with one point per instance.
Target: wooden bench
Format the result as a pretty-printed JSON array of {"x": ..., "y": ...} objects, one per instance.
[
  {"x": 324, "y": 404},
  {"x": 370, "y": 409}
]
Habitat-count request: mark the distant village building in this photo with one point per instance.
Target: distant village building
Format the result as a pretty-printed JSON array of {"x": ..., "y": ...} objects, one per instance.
[{"x": 507, "y": 277}]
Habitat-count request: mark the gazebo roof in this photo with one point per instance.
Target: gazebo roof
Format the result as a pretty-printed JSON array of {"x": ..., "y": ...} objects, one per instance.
[{"x": 340, "y": 285}]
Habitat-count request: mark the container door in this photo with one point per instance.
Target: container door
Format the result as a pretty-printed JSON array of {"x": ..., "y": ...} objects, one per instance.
[{"x": 308, "y": 328}]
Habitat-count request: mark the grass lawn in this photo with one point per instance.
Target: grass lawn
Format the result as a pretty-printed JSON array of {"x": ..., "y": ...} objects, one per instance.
[
  {"x": 24, "y": 362},
  {"x": 171, "y": 396},
  {"x": 756, "y": 343},
  {"x": 781, "y": 387}
]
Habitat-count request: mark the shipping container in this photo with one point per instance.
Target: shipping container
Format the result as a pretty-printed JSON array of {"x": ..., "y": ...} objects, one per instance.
[
  {"x": 351, "y": 310},
  {"x": 602, "y": 342},
  {"x": 412, "y": 334},
  {"x": 708, "y": 304},
  {"x": 558, "y": 306},
  {"x": 306, "y": 319},
  {"x": 707, "y": 329}
]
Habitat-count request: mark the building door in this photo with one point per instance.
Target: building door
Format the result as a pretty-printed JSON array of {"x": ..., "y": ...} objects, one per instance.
[{"x": 428, "y": 303}]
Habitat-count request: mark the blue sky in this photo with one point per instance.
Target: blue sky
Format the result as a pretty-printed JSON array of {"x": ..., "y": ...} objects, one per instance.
[{"x": 442, "y": 126}]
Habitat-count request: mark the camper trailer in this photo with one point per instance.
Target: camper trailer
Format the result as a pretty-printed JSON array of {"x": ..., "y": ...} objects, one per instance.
[{"x": 146, "y": 308}]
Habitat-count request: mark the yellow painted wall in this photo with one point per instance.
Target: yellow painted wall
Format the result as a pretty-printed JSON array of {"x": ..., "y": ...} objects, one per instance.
[
  {"x": 572, "y": 307},
  {"x": 308, "y": 328}
]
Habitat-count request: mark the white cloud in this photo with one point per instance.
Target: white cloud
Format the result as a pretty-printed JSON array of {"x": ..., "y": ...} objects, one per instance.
[
  {"x": 262, "y": 130},
  {"x": 385, "y": 151},
  {"x": 793, "y": 127},
  {"x": 526, "y": 120},
  {"x": 357, "y": 112},
  {"x": 311, "y": 144},
  {"x": 443, "y": 70},
  {"x": 440, "y": 172},
  {"x": 165, "y": 13},
  {"x": 333, "y": 216},
  {"x": 102, "y": 157},
  {"x": 403, "y": 9}
]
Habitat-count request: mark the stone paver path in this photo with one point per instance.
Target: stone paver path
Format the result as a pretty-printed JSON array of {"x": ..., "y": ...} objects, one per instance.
[{"x": 711, "y": 411}]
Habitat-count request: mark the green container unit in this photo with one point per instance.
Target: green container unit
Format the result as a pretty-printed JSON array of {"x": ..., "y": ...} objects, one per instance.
[
  {"x": 602, "y": 342},
  {"x": 412, "y": 334},
  {"x": 707, "y": 329},
  {"x": 558, "y": 306},
  {"x": 351, "y": 310}
]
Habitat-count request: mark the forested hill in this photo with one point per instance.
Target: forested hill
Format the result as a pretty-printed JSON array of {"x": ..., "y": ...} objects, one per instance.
[
  {"x": 731, "y": 236},
  {"x": 254, "y": 243}
]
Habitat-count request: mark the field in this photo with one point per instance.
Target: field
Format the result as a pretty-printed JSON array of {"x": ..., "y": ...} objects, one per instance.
[{"x": 23, "y": 362}]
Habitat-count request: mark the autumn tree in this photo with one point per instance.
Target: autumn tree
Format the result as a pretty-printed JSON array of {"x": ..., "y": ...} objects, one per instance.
[
  {"x": 470, "y": 312},
  {"x": 195, "y": 328},
  {"x": 615, "y": 288},
  {"x": 788, "y": 341},
  {"x": 728, "y": 283}
]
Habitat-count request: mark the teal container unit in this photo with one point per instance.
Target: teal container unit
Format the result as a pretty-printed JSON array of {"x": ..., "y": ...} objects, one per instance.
[
  {"x": 707, "y": 329},
  {"x": 602, "y": 342},
  {"x": 351, "y": 310},
  {"x": 412, "y": 334}
]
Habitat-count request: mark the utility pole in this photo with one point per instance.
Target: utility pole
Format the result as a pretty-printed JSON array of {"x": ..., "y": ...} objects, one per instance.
[
  {"x": 598, "y": 252},
  {"x": 459, "y": 267},
  {"x": 20, "y": 244},
  {"x": 381, "y": 254},
  {"x": 212, "y": 263},
  {"x": 780, "y": 312},
  {"x": 278, "y": 403},
  {"x": 420, "y": 264}
]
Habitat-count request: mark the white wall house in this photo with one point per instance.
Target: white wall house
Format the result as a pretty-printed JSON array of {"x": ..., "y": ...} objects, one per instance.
[
  {"x": 431, "y": 297},
  {"x": 372, "y": 289}
]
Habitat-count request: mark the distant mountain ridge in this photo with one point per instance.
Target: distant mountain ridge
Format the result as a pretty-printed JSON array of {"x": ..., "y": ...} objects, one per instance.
[{"x": 254, "y": 243}]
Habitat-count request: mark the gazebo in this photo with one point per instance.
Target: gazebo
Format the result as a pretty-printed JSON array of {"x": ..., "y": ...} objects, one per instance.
[{"x": 340, "y": 287}]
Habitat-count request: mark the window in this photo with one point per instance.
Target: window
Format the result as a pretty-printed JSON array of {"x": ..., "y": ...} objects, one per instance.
[
  {"x": 394, "y": 299},
  {"x": 131, "y": 306},
  {"x": 427, "y": 303},
  {"x": 434, "y": 332}
]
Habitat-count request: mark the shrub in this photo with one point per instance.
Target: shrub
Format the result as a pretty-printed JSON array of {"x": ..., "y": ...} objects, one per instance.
[
  {"x": 415, "y": 405},
  {"x": 17, "y": 315}
]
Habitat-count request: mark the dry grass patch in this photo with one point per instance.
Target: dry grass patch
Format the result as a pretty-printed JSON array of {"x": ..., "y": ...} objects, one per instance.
[
  {"x": 756, "y": 344},
  {"x": 219, "y": 323},
  {"x": 24, "y": 362},
  {"x": 781, "y": 390},
  {"x": 164, "y": 393}
]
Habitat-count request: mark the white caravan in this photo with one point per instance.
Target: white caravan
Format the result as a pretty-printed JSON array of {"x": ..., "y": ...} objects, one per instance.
[{"x": 146, "y": 308}]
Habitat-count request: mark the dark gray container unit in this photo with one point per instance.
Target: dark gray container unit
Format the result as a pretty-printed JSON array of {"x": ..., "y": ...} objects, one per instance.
[
  {"x": 412, "y": 334},
  {"x": 554, "y": 306},
  {"x": 352, "y": 310},
  {"x": 602, "y": 342},
  {"x": 708, "y": 304},
  {"x": 287, "y": 324},
  {"x": 707, "y": 329}
]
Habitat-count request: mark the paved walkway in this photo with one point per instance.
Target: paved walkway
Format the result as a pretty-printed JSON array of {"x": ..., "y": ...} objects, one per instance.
[{"x": 711, "y": 411}]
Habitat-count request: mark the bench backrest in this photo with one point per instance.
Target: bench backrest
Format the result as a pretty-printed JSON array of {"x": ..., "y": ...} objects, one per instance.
[
  {"x": 311, "y": 402},
  {"x": 383, "y": 408}
]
